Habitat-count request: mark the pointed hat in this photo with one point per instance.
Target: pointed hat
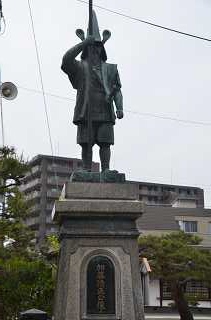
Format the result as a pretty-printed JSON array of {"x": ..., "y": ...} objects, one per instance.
[{"x": 96, "y": 35}]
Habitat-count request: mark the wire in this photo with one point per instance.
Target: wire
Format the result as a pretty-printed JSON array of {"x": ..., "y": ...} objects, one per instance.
[
  {"x": 146, "y": 114},
  {"x": 3, "y": 19},
  {"x": 170, "y": 118},
  {"x": 46, "y": 93},
  {"x": 149, "y": 23},
  {"x": 41, "y": 77},
  {"x": 43, "y": 91}
]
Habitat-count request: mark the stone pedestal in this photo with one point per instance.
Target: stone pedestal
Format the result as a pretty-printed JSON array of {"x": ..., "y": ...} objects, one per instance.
[{"x": 99, "y": 277}]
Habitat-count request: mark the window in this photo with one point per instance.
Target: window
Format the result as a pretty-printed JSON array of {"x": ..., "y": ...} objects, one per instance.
[
  {"x": 199, "y": 289},
  {"x": 166, "y": 286},
  {"x": 152, "y": 188},
  {"x": 188, "y": 226}
]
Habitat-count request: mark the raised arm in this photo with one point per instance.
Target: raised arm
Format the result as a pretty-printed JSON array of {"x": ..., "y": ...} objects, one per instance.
[
  {"x": 69, "y": 62},
  {"x": 70, "y": 65}
]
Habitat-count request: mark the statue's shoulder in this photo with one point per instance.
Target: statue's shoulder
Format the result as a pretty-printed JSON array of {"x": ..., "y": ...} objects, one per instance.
[{"x": 111, "y": 67}]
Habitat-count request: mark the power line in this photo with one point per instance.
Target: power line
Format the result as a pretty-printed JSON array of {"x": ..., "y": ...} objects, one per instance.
[
  {"x": 148, "y": 23},
  {"x": 43, "y": 93},
  {"x": 41, "y": 77},
  {"x": 170, "y": 118},
  {"x": 146, "y": 114},
  {"x": 46, "y": 93}
]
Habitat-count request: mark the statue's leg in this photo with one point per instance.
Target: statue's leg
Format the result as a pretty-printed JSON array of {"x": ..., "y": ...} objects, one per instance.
[
  {"x": 86, "y": 155},
  {"x": 105, "y": 137},
  {"x": 82, "y": 139},
  {"x": 105, "y": 155}
]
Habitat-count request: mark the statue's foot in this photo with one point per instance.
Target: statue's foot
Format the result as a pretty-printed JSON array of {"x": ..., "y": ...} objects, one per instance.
[{"x": 108, "y": 175}]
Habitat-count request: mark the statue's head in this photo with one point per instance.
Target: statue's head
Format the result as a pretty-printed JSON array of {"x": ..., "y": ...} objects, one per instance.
[
  {"x": 96, "y": 50},
  {"x": 98, "y": 47}
]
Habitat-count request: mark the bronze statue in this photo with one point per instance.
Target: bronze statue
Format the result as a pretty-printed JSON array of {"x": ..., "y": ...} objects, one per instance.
[{"x": 98, "y": 88}]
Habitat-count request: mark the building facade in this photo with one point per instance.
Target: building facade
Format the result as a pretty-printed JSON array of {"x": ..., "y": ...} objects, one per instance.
[
  {"x": 42, "y": 185},
  {"x": 167, "y": 194},
  {"x": 196, "y": 221}
]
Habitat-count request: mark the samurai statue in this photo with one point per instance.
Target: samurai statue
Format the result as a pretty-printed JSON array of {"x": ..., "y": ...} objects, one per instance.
[{"x": 98, "y": 89}]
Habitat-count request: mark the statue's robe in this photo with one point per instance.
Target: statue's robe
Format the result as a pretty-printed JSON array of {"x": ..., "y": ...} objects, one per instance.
[
  {"x": 105, "y": 87},
  {"x": 78, "y": 76}
]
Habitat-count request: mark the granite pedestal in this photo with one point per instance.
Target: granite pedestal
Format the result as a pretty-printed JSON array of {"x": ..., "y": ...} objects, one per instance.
[{"x": 98, "y": 277}]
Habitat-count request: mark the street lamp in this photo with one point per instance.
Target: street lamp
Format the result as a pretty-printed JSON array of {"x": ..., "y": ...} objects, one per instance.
[{"x": 8, "y": 91}]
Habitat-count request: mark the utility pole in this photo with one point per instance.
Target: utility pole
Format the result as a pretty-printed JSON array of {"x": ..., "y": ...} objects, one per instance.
[{"x": 1, "y": 107}]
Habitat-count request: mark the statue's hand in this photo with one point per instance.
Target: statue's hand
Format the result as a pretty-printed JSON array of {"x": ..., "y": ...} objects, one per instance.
[{"x": 119, "y": 114}]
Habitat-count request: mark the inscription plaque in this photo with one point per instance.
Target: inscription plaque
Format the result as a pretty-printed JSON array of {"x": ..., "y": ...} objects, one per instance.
[{"x": 100, "y": 286}]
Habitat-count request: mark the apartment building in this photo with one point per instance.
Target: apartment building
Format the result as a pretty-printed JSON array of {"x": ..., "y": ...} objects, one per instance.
[
  {"x": 42, "y": 185},
  {"x": 167, "y": 194}
]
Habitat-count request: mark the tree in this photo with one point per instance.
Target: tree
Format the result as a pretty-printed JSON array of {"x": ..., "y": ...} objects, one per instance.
[
  {"x": 175, "y": 257},
  {"x": 14, "y": 208},
  {"x": 25, "y": 284},
  {"x": 25, "y": 275}
]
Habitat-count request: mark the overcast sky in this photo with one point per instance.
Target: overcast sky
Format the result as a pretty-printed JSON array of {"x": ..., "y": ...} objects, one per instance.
[{"x": 162, "y": 73}]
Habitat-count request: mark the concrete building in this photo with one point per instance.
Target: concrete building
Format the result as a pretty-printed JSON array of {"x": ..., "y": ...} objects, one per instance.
[
  {"x": 167, "y": 194},
  {"x": 42, "y": 185},
  {"x": 191, "y": 220}
]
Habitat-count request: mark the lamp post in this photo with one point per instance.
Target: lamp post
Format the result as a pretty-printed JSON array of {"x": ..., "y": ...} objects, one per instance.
[
  {"x": 8, "y": 91},
  {"x": 1, "y": 106}
]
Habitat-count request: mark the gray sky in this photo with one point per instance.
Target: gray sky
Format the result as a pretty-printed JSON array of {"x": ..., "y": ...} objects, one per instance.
[{"x": 162, "y": 73}]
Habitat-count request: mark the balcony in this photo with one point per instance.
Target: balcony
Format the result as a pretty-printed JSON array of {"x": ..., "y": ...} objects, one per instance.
[
  {"x": 30, "y": 185},
  {"x": 146, "y": 192},
  {"x": 185, "y": 196},
  {"x": 60, "y": 169},
  {"x": 56, "y": 181},
  {"x": 55, "y": 194},
  {"x": 34, "y": 170},
  {"x": 32, "y": 195}
]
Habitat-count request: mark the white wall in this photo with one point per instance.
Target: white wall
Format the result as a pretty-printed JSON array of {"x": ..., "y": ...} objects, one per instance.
[{"x": 154, "y": 293}]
